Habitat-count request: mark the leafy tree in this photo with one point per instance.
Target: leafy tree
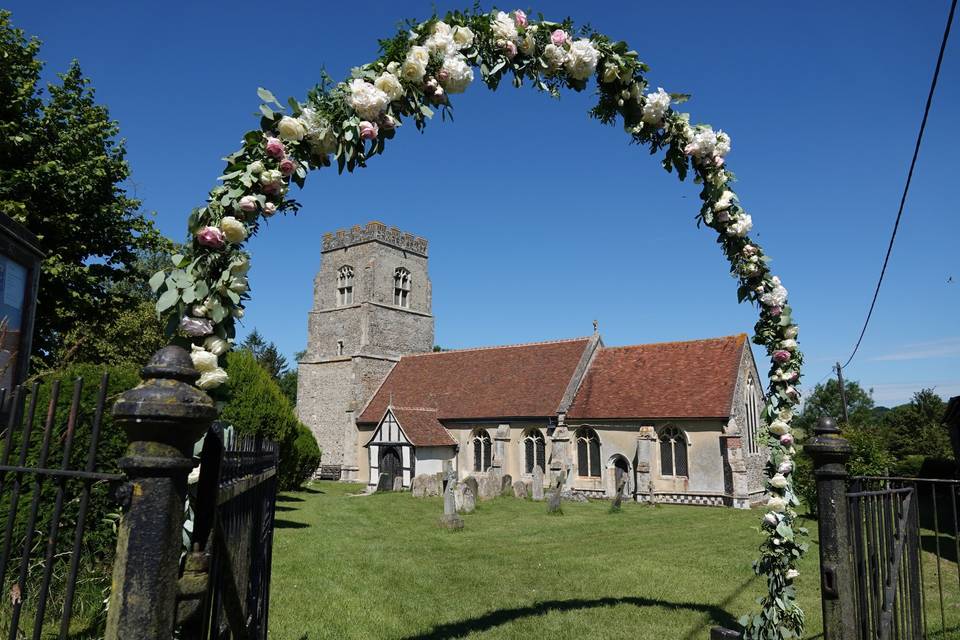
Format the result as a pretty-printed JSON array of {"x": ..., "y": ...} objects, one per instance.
[
  {"x": 61, "y": 174},
  {"x": 824, "y": 400},
  {"x": 916, "y": 429}
]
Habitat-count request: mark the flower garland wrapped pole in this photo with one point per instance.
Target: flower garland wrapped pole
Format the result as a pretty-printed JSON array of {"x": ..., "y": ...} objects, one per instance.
[{"x": 347, "y": 123}]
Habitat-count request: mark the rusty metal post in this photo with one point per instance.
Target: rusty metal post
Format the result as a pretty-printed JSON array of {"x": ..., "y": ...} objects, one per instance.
[
  {"x": 163, "y": 417},
  {"x": 830, "y": 453}
]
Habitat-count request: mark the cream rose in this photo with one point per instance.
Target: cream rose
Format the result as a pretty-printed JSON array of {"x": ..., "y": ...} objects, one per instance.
[
  {"x": 777, "y": 504},
  {"x": 390, "y": 85},
  {"x": 778, "y": 481},
  {"x": 779, "y": 427},
  {"x": 415, "y": 66},
  {"x": 203, "y": 360},
  {"x": 291, "y": 129},
  {"x": 233, "y": 229},
  {"x": 216, "y": 345},
  {"x": 212, "y": 379}
]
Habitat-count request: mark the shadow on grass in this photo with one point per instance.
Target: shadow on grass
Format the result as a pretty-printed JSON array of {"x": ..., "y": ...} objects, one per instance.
[
  {"x": 289, "y": 524},
  {"x": 948, "y": 545},
  {"x": 493, "y": 619},
  {"x": 286, "y": 497},
  {"x": 281, "y": 507}
]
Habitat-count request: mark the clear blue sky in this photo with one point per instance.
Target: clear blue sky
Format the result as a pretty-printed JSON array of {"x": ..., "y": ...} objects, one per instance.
[{"x": 541, "y": 220}]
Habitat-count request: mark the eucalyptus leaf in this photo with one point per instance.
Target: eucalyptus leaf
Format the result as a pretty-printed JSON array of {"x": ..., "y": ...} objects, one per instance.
[
  {"x": 169, "y": 298},
  {"x": 156, "y": 280}
]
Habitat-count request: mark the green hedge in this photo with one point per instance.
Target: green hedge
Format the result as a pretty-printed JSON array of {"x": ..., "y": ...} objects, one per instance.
[{"x": 257, "y": 406}]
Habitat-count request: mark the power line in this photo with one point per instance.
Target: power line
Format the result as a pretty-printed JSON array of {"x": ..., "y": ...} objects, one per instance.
[{"x": 906, "y": 188}]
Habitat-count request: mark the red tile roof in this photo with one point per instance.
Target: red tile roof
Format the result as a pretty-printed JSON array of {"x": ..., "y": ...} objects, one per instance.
[
  {"x": 497, "y": 382},
  {"x": 668, "y": 380},
  {"x": 422, "y": 427}
]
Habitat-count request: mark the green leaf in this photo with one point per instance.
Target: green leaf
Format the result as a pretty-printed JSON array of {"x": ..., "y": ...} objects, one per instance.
[
  {"x": 427, "y": 111},
  {"x": 189, "y": 295},
  {"x": 267, "y": 112},
  {"x": 169, "y": 298},
  {"x": 156, "y": 280},
  {"x": 178, "y": 260},
  {"x": 201, "y": 289},
  {"x": 266, "y": 95}
]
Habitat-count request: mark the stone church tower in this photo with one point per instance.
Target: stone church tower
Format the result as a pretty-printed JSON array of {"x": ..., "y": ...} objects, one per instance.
[{"x": 371, "y": 305}]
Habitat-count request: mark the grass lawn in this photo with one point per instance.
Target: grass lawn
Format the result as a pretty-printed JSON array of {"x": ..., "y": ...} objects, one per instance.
[{"x": 379, "y": 567}]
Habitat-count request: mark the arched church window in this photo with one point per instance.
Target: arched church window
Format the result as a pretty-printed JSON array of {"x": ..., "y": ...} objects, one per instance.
[
  {"x": 401, "y": 287},
  {"x": 751, "y": 416},
  {"x": 345, "y": 286},
  {"x": 673, "y": 452},
  {"x": 480, "y": 442},
  {"x": 534, "y": 450},
  {"x": 588, "y": 453}
]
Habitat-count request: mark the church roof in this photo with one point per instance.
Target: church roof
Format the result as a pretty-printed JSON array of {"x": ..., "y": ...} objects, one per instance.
[
  {"x": 693, "y": 379},
  {"x": 517, "y": 381},
  {"x": 422, "y": 427}
]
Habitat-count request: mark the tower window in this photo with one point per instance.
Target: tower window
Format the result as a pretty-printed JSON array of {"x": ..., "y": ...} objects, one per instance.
[
  {"x": 344, "y": 286},
  {"x": 752, "y": 416},
  {"x": 401, "y": 288}
]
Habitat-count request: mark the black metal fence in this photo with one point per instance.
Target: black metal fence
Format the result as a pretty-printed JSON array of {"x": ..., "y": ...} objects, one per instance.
[
  {"x": 913, "y": 522},
  {"x": 233, "y": 534},
  {"x": 42, "y": 480}
]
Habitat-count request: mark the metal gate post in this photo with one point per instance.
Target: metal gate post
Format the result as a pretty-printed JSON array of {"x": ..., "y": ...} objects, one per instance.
[
  {"x": 830, "y": 453},
  {"x": 163, "y": 417}
]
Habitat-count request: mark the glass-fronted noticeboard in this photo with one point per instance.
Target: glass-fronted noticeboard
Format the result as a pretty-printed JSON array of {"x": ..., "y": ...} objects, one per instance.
[{"x": 20, "y": 257}]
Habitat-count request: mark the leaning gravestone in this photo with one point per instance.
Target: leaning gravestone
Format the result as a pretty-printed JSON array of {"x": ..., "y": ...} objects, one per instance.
[
  {"x": 537, "y": 492},
  {"x": 506, "y": 486},
  {"x": 383, "y": 483},
  {"x": 520, "y": 489},
  {"x": 450, "y": 520},
  {"x": 471, "y": 482},
  {"x": 469, "y": 500},
  {"x": 553, "y": 506},
  {"x": 618, "y": 499},
  {"x": 398, "y": 484}
]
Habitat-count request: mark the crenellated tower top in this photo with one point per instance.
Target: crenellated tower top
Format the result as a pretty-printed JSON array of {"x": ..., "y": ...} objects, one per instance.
[{"x": 374, "y": 232}]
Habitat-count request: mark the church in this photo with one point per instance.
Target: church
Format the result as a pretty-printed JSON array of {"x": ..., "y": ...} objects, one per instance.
[{"x": 673, "y": 422}]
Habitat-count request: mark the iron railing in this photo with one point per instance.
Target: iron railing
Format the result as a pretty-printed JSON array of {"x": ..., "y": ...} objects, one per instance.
[
  {"x": 932, "y": 549},
  {"x": 31, "y": 481}
]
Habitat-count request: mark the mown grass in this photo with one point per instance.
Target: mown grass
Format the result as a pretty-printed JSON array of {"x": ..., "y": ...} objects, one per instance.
[{"x": 379, "y": 567}]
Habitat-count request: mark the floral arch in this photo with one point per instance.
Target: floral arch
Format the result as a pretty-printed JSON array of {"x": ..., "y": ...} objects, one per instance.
[{"x": 347, "y": 123}]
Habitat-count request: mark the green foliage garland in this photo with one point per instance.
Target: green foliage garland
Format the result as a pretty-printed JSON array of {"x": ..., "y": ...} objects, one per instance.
[{"x": 348, "y": 123}]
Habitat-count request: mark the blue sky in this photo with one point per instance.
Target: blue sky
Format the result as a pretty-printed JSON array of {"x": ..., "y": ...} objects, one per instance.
[{"x": 541, "y": 220}]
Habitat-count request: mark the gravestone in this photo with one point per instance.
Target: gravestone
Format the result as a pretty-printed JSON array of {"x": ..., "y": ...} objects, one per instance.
[
  {"x": 430, "y": 486},
  {"x": 469, "y": 500},
  {"x": 537, "y": 492},
  {"x": 471, "y": 482},
  {"x": 458, "y": 496},
  {"x": 553, "y": 506},
  {"x": 520, "y": 489},
  {"x": 450, "y": 520},
  {"x": 398, "y": 483},
  {"x": 419, "y": 486},
  {"x": 506, "y": 486},
  {"x": 383, "y": 483},
  {"x": 489, "y": 486},
  {"x": 618, "y": 498}
]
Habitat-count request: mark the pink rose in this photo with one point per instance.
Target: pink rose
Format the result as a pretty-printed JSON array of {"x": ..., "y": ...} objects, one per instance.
[
  {"x": 287, "y": 166},
  {"x": 792, "y": 393},
  {"x": 559, "y": 37},
  {"x": 275, "y": 148},
  {"x": 690, "y": 149},
  {"x": 520, "y": 18},
  {"x": 785, "y": 468},
  {"x": 718, "y": 161},
  {"x": 248, "y": 204},
  {"x": 269, "y": 209},
  {"x": 786, "y": 439},
  {"x": 775, "y": 311},
  {"x": 211, "y": 237},
  {"x": 510, "y": 49},
  {"x": 369, "y": 130},
  {"x": 723, "y": 216},
  {"x": 781, "y": 356}
]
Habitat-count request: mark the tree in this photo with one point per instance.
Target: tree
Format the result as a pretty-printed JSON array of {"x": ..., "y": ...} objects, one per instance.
[
  {"x": 824, "y": 400},
  {"x": 61, "y": 171},
  {"x": 916, "y": 428},
  {"x": 266, "y": 353}
]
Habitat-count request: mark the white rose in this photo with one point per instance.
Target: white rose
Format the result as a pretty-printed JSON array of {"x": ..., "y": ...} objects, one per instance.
[
  {"x": 441, "y": 40},
  {"x": 240, "y": 265},
  {"x": 212, "y": 379},
  {"x": 779, "y": 427},
  {"x": 216, "y": 345},
  {"x": 777, "y": 504},
  {"x": 792, "y": 574},
  {"x": 291, "y": 129},
  {"x": 415, "y": 66},
  {"x": 528, "y": 45},
  {"x": 463, "y": 37},
  {"x": 458, "y": 74},
  {"x": 504, "y": 28},
  {"x": 778, "y": 481},
  {"x": 554, "y": 56},
  {"x": 726, "y": 199},
  {"x": 582, "y": 60},
  {"x": 255, "y": 167},
  {"x": 233, "y": 229},
  {"x": 740, "y": 226},
  {"x": 610, "y": 72},
  {"x": 367, "y": 100},
  {"x": 791, "y": 331},
  {"x": 789, "y": 344},
  {"x": 390, "y": 85},
  {"x": 237, "y": 312},
  {"x": 203, "y": 360},
  {"x": 723, "y": 144}
]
